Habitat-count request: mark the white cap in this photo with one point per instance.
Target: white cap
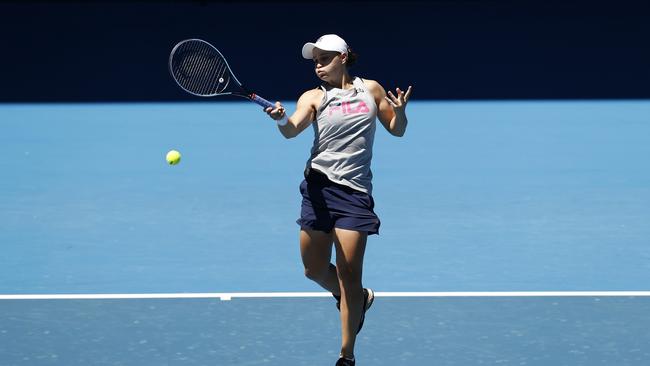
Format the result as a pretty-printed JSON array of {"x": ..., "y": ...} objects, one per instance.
[{"x": 328, "y": 42}]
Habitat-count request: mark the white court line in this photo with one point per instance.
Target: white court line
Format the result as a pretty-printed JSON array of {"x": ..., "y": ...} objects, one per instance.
[{"x": 233, "y": 295}]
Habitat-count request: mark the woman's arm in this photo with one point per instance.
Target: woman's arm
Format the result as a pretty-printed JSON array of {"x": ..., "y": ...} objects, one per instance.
[
  {"x": 303, "y": 116},
  {"x": 391, "y": 110}
]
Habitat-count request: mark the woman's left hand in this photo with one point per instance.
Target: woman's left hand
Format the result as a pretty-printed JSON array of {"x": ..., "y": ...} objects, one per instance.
[{"x": 399, "y": 102}]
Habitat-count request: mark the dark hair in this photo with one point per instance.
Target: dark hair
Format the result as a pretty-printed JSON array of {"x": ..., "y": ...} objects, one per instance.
[{"x": 352, "y": 58}]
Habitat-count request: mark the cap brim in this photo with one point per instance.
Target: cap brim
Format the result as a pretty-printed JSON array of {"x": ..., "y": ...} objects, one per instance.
[{"x": 308, "y": 50}]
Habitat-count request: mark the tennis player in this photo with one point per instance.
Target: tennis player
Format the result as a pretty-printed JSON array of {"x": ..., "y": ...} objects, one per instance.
[{"x": 337, "y": 204}]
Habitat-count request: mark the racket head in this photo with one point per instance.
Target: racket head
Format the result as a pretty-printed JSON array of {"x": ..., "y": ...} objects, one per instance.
[{"x": 200, "y": 69}]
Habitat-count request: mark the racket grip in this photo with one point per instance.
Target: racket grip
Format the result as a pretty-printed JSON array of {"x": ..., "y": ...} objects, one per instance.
[{"x": 261, "y": 101}]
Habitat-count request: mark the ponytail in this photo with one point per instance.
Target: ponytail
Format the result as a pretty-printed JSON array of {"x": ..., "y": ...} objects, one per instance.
[{"x": 352, "y": 58}]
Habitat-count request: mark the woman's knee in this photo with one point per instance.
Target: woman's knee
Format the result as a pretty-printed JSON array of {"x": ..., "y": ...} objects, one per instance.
[
  {"x": 316, "y": 273},
  {"x": 348, "y": 275},
  {"x": 316, "y": 249}
]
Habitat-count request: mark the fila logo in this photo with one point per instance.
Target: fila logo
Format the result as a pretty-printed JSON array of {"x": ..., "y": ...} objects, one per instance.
[{"x": 349, "y": 108}]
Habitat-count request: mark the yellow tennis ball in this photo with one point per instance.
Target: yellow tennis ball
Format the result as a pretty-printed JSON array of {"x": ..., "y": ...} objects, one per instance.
[{"x": 173, "y": 157}]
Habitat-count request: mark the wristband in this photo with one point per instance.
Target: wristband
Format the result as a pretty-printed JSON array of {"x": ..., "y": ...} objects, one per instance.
[{"x": 283, "y": 121}]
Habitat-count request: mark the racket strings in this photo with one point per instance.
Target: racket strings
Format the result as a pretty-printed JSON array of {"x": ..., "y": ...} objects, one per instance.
[{"x": 200, "y": 69}]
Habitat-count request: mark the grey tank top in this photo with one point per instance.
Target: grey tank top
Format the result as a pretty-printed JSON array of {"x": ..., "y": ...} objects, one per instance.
[{"x": 344, "y": 132}]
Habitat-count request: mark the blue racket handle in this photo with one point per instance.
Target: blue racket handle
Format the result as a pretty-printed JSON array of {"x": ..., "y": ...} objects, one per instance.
[
  {"x": 265, "y": 103},
  {"x": 261, "y": 101}
]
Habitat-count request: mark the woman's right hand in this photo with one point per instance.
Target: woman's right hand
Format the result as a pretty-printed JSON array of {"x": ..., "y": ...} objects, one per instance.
[{"x": 276, "y": 113}]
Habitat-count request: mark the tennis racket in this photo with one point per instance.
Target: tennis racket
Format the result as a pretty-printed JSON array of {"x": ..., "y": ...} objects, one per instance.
[{"x": 200, "y": 69}]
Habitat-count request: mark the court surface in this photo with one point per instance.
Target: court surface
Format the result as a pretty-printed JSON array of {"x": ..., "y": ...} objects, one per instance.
[{"x": 477, "y": 197}]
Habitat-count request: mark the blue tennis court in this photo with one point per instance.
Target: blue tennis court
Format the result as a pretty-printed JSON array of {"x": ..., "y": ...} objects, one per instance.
[{"x": 477, "y": 197}]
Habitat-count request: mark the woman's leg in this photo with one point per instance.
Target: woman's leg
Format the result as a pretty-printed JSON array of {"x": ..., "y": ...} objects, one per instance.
[
  {"x": 350, "y": 248},
  {"x": 316, "y": 252}
]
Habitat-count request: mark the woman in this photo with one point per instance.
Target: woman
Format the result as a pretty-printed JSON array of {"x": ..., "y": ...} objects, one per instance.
[{"x": 337, "y": 205}]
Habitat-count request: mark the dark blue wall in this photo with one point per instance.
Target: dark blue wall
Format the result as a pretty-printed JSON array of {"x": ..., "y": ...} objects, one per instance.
[{"x": 117, "y": 51}]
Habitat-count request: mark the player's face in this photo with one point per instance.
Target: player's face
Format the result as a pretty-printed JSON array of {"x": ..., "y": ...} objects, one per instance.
[{"x": 327, "y": 64}]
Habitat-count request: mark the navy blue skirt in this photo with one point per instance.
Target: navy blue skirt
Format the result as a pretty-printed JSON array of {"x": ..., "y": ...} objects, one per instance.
[{"x": 326, "y": 205}]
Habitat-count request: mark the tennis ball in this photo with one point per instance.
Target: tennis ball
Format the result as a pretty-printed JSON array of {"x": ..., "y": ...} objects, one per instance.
[{"x": 173, "y": 157}]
